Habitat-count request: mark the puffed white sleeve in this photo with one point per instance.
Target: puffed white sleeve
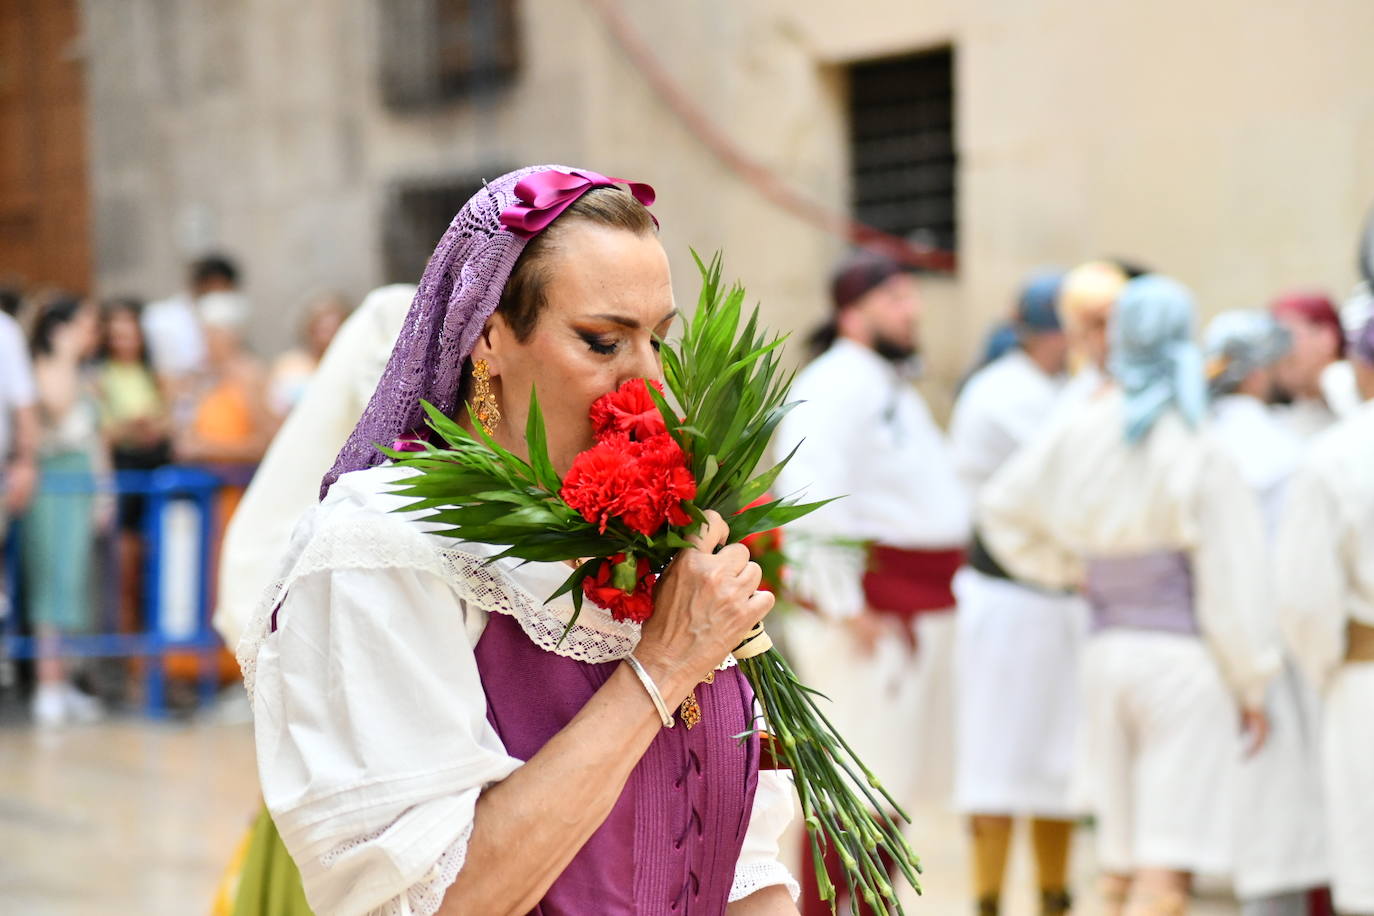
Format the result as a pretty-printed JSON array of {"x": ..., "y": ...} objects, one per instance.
[
  {"x": 1233, "y": 582},
  {"x": 1310, "y": 576},
  {"x": 1016, "y": 512},
  {"x": 760, "y": 859},
  {"x": 372, "y": 738},
  {"x": 828, "y": 433}
]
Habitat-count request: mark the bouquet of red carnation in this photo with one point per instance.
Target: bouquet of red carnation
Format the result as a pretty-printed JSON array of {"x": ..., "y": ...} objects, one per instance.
[{"x": 625, "y": 508}]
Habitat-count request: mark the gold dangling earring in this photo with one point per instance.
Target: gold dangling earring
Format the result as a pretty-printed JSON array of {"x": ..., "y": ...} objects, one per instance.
[{"x": 483, "y": 401}]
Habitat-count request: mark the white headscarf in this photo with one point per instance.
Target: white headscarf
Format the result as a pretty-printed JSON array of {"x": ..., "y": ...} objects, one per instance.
[{"x": 287, "y": 482}]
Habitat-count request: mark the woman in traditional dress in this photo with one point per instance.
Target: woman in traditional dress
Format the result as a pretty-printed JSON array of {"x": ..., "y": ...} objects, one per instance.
[
  {"x": 427, "y": 741},
  {"x": 1130, "y": 498}
]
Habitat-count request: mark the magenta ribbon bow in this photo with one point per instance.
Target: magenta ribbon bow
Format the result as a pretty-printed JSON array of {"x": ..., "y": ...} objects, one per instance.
[{"x": 544, "y": 195}]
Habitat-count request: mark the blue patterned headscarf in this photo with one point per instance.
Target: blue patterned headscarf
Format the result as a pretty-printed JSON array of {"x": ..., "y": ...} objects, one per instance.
[{"x": 1153, "y": 356}]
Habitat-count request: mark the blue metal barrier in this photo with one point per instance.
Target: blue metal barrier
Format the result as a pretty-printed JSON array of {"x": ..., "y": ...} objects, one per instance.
[{"x": 161, "y": 489}]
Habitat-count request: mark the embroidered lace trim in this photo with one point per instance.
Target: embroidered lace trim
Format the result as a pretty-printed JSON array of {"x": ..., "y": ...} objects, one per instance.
[
  {"x": 755, "y": 876},
  {"x": 425, "y": 897},
  {"x": 359, "y": 544}
]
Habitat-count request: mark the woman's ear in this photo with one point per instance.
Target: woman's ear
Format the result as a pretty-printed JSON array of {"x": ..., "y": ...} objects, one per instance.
[{"x": 493, "y": 343}]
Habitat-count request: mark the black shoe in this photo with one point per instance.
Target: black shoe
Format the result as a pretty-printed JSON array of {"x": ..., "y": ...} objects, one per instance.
[
  {"x": 989, "y": 906},
  {"x": 1053, "y": 903}
]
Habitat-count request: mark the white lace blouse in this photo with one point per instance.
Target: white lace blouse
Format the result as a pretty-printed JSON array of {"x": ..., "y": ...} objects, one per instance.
[{"x": 372, "y": 738}]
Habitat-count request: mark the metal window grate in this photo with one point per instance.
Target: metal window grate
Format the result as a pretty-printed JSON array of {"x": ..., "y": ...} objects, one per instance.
[
  {"x": 437, "y": 51},
  {"x": 902, "y": 155},
  {"x": 417, "y": 213}
]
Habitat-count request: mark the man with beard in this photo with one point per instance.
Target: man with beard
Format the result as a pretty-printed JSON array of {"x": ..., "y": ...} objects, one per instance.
[
  {"x": 876, "y": 565},
  {"x": 1280, "y": 842}
]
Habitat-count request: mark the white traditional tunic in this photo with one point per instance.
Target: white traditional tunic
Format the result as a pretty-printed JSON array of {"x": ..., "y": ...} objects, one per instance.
[
  {"x": 372, "y": 736},
  {"x": 1280, "y": 836},
  {"x": 287, "y": 482},
  {"x": 1160, "y": 730},
  {"x": 1325, "y": 581},
  {"x": 1018, "y": 646},
  {"x": 865, "y": 434}
]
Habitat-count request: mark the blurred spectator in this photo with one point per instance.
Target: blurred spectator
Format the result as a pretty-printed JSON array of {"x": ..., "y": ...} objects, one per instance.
[
  {"x": 1018, "y": 646},
  {"x": 1086, "y": 300},
  {"x": 176, "y": 341},
  {"x": 18, "y": 430},
  {"x": 18, "y": 419},
  {"x": 135, "y": 416},
  {"x": 1325, "y": 586},
  {"x": 1280, "y": 854},
  {"x": 1318, "y": 344},
  {"x": 229, "y": 419},
  {"x": 229, "y": 425},
  {"x": 324, "y": 314},
  {"x": 60, "y": 526},
  {"x": 11, "y": 300},
  {"x": 136, "y": 426},
  {"x": 1000, "y": 340}
]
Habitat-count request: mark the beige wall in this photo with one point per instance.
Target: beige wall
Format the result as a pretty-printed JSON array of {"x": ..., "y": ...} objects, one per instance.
[{"x": 1229, "y": 143}]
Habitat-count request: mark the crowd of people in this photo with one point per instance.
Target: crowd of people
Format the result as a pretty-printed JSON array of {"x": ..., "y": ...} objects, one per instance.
[
  {"x": 89, "y": 389},
  {"x": 1131, "y": 583}
]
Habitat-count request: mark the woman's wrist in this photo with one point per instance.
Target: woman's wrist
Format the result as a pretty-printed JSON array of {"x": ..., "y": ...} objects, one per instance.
[{"x": 672, "y": 683}]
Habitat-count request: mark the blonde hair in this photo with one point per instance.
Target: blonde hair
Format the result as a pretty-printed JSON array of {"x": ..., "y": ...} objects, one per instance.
[{"x": 1088, "y": 292}]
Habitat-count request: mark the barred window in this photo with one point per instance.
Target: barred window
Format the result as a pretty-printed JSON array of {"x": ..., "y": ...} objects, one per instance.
[
  {"x": 417, "y": 213},
  {"x": 437, "y": 51},
  {"x": 902, "y": 156}
]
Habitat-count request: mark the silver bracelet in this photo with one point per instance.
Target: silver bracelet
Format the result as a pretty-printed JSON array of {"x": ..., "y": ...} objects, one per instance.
[{"x": 652, "y": 689}]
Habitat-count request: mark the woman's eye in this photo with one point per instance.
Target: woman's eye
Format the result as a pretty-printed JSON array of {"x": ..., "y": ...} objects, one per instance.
[
  {"x": 600, "y": 344},
  {"x": 657, "y": 344}
]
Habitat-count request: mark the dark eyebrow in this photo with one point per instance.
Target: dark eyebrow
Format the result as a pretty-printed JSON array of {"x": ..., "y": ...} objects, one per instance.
[{"x": 627, "y": 322}]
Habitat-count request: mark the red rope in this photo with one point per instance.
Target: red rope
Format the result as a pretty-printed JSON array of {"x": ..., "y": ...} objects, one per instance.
[{"x": 700, "y": 125}]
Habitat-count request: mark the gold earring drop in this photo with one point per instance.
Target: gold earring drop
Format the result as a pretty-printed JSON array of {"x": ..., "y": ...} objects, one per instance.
[{"x": 483, "y": 401}]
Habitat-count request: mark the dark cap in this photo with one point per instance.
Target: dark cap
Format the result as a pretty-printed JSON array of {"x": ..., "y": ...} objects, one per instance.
[{"x": 858, "y": 274}]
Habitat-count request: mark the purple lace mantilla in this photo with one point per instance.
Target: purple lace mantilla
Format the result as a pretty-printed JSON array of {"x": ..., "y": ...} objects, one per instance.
[{"x": 460, "y": 289}]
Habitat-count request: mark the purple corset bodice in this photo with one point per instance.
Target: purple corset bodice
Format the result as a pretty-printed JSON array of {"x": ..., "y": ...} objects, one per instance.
[
  {"x": 672, "y": 840},
  {"x": 1148, "y": 591}
]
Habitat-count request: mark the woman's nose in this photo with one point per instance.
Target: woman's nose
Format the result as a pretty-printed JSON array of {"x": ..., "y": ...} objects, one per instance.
[{"x": 644, "y": 363}]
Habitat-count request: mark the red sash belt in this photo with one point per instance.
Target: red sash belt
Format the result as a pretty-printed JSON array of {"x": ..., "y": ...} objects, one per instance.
[{"x": 909, "y": 582}]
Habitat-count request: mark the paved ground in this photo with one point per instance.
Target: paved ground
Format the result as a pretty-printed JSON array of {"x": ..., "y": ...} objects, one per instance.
[{"x": 133, "y": 816}]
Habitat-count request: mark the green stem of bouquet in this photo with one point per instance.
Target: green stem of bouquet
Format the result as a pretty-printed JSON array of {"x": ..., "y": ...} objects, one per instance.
[{"x": 844, "y": 805}]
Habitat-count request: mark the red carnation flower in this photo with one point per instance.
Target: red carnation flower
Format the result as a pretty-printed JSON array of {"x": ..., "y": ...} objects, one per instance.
[
  {"x": 641, "y": 483},
  {"x": 637, "y": 605},
  {"x": 628, "y": 410}
]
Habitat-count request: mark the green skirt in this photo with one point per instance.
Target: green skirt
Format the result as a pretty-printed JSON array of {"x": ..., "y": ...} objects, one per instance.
[
  {"x": 268, "y": 884},
  {"x": 58, "y": 546}
]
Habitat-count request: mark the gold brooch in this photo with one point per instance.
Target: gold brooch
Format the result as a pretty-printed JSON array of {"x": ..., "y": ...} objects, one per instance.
[{"x": 689, "y": 713}]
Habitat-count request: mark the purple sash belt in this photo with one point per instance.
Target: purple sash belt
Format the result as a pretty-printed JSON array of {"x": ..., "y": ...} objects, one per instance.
[
  {"x": 1148, "y": 591},
  {"x": 672, "y": 840}
]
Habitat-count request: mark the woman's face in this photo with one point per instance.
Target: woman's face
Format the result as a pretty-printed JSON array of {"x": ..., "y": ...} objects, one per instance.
[
  {"x": 608, "y": 298},
  {"x": 84, "y": 331},
  {"x": 123, "y": 336}
]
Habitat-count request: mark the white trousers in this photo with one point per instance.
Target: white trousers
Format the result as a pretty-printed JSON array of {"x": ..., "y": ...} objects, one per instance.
[
  {"x": 1348, "y": 774},
  {"x": 1017, "y": 697},
  {"x": 1160, "y": 753},
  {"x": 1280, "y": 822}
]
